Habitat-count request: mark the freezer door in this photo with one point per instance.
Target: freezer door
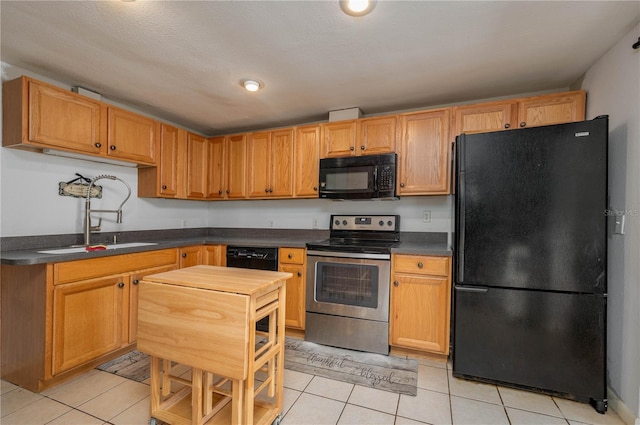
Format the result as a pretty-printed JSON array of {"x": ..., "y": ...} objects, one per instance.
[
  {"x": 530, "y": 208},
  {"x": 549, "y": 341}
]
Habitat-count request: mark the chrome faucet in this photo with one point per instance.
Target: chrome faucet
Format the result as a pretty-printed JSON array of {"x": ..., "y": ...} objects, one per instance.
[{"x": 88, "y": 228}]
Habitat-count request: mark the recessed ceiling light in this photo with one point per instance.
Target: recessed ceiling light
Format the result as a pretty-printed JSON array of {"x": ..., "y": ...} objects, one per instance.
[
  {"x": 357, "y": 7},
  {"x": 251, "y": 85}
]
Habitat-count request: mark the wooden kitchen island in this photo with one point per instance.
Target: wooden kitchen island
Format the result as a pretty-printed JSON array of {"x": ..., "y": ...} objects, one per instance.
[{"x": 203, "y": 318}]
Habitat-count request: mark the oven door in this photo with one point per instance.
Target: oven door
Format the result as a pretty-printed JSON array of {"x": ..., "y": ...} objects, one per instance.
[{"x": 341, "y": 285}]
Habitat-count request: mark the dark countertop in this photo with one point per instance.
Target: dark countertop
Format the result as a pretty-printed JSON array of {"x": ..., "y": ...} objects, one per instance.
[{"x": 25, "y": 250}]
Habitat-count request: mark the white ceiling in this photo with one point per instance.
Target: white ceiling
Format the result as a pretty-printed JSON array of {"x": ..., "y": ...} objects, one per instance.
[{"x": 182, "y": 60}]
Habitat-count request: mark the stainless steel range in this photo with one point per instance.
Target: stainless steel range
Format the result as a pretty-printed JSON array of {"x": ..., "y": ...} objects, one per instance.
[{"x": 347, "y": 301}]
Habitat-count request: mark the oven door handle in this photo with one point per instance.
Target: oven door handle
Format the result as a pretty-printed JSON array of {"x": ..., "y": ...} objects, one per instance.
[{"x": 366, "y": 256}]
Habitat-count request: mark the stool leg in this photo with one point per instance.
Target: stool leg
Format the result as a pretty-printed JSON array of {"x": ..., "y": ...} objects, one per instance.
[{"x": 196, "y": 396}]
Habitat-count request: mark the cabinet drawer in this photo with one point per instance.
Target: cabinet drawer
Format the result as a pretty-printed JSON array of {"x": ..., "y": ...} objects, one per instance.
[
  {"x": 291, "y": 255},
  {"x": 421, "y": 264},
  {"x": 86, "y": 269}
]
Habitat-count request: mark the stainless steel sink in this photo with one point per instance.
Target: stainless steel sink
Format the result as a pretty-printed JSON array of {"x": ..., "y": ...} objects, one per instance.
[{"x": 74, "y": 250}]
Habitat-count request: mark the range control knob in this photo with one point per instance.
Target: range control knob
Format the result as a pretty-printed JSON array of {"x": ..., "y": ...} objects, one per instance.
[
  {"x": 381, "y": 223},
  {"x": 344, "y": 222},
  {"x": 337, "y": 222},
  {"x": 390, "y": 223}
]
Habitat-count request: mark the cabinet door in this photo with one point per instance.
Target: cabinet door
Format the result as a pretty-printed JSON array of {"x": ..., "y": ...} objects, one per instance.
[
  {"x": 295, "y": 307},
  {"x": 190, "y": 256},
  {"x": 339, "y": 139},
  {"x": 215, "y": 255},
  {"x": 485, "y": 117},
  {"x": 236, "y": 166},
  {"x": 281, "y": 164},
  {"x": 79, "y": 337},
  {"x": 168, "y": 164},
  {"x": 420, "y": 308},
  {"x": 132, "y": 136},
  {"x": 423, "y": 153},
  {"x": 376, "y": 135},
  {"x": 65, "y": 120},
  {"x": 216, "y": 154},
  {"x": 307, "y": 161},
  {"x": 552, "y": 109},
  {"x": 197, "y": 175},
  {"x": 135, "y": 279},
  {"x": 258, "y": 165}
]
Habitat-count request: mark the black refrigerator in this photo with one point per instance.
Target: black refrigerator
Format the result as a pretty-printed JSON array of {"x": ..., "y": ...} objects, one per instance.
[{"x": 530, "y": 293}]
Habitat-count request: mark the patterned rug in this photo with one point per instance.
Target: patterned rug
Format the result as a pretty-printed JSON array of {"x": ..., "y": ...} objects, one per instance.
[{"x": 385, "y": 373}]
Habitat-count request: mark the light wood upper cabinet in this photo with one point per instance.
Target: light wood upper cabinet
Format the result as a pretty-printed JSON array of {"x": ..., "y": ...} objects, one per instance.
[
  {"x": 376, "y": 135},
  {"x": 556, "y": 108},
  {"x": 168, "y": 179},
  {"x": 306, "y": 161},
  {"x": 339, "y": 139},
  {"x": 259, "y": 164},
  {"x": 132, "y": 137},
  {"x": 197, "y": 166},
  {"x": 423, "y": 153},
  {"x": 40, "y": 115},
  {"x": 420, "y": 303},
  {"x": 270, "y": 164},
  {"x": 216, "y": 154},
  {"x": 236, "y": 173},
  {"x": 281, "y": 164},
  {"x": 485, "y": 117}
]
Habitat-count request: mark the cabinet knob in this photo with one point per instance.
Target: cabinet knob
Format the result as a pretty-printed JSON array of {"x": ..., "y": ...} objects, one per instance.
[
  {"x": 121, "y": 285},
  {"x": 227, "y": 191},
  {"x": 164, "y": 187},
  {"x": 420, "y": 265},
  {"x": 136, "y": 281},
  {"x": 396, "y": 283},
  {"x": 362, "y": 148},
  {"x": 315, "y": 188},
  {"x": 289, "y": 256},
  {"x": 98, "y": 145},
  {"x": 112, "y": 147},
  {"x": 352, "y": 148},
  {"x": 220, "y": 192},
  {"x": 523, "y": 124},
  {"x": 401, "y": 184},
  {"x": 184, "y": 255},
  {"x": 507, "y": 125},
  {"x": 266, "y": 190},
  {"x": 299, "y": 274}
]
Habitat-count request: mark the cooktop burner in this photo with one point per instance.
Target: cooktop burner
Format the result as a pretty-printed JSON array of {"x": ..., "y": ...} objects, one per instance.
[{"x": 361, "y": 234}]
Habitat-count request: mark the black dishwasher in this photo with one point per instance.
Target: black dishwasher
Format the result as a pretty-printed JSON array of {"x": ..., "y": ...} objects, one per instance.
[{"x": 247, "y": 257}]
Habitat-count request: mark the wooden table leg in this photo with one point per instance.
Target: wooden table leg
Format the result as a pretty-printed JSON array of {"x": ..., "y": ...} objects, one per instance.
[
  {"x": 237, "y": 402},
  {"x": 155, "y": 384},
  {"x": 196, "y": 396}
]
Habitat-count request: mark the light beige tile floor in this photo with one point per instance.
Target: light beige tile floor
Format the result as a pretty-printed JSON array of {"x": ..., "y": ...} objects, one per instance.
[{"x": 100, "y": 398}]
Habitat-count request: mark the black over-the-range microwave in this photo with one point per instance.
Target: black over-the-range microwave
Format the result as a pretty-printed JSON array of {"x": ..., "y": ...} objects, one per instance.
[{"x": 359, "y": 177}]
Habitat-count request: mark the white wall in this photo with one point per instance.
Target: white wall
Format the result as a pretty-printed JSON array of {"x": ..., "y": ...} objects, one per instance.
[
  {"x": 613, "y": 85},
  {"x": 299, "y": 214}
]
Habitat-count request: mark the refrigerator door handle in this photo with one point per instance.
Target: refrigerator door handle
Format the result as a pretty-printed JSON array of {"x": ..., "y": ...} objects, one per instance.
[
  {"x": 461, "y": 216},
  {"x": 471, "y": 289}
]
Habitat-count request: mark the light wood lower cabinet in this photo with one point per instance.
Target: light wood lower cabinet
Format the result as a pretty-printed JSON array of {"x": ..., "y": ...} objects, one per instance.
[
  {"x": 293, "y": 260},
  {"x": 211, "y": 255},
  {"x": 420, "y": 303},
  {"x": 61, "y": 319}
]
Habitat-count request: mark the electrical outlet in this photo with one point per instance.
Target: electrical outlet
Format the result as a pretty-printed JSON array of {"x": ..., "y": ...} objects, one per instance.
[
  {"x": 183, "y": 223},
  {"x": 619, "y": 227},
  {"x": 270, "y": 223},
  {"x": 426, "y": 217},
  {"x": 314, "y": 223}
]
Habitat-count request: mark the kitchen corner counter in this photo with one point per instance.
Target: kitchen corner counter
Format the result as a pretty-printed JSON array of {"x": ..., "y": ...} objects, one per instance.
[{"x": 436, "y": 244}]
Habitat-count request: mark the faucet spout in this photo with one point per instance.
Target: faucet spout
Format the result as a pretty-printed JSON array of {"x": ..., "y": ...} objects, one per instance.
[{"x": 88, "y": 228}]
